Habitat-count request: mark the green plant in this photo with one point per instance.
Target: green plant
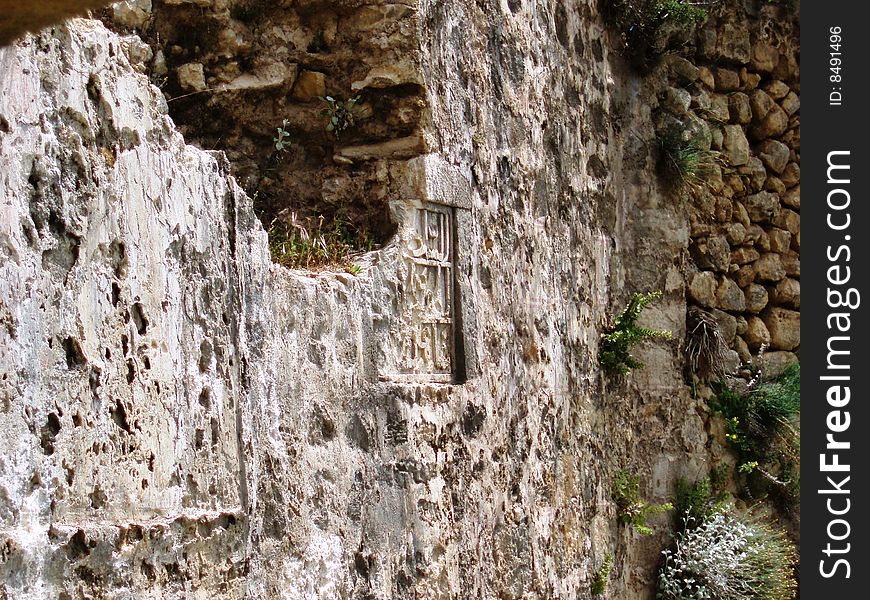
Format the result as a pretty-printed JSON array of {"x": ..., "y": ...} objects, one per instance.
[
  {"x": 685, "y": 13},
  {"x": 339, "y": 113},
  {"x": 354, "y": 269},
  {"x": 777, "y": 401},
  {"x": 726, "y": 556},
  {"x": 683, "y": 158},
  {"x": 761, "y": 425},
  {"x": 281, "y": 141},
  {"x": 642, "y": 23},
  {"x": 602, "y": 573},
  {"x": 697, "y": 501},
  {"x": 314, "y": 243},
  {"x": 764, "y": 415},
  {"x": 631, "y": 509},
  {"x": 748, "y": 467},
  {"x": 614, "y": 355}
]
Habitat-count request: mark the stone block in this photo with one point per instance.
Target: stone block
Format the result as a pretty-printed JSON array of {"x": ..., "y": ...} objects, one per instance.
[
  {"x": 309, "y": 86},
  {"x": 788, "y": 293},
  {"x": 762, "y": 207},
  {"x": 726, "y": 80},
  {"x": 191, "y": 77},
  {"x": 756, "y": 298},
  {"x": 712, "y": 253},
  {"x": 771, "y": 125},
  {"x": 702, "y": 288},
  {"x": 756, "y": 333},
  {"x": 735, "y": 146},
  {"x": 780, "y": 240},
  {"x": 784, "y": 326},
  {"x": 769, "y": 268},
  {"x": 774, "y": 155},
  {"x": 739, "y": 108},
  {"x": 729, "y": 296}
]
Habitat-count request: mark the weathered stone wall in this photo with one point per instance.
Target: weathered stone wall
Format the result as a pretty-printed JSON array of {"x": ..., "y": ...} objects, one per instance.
[
  {"x": 120, "y": 386},
  {"x": 183, "y": 418}
]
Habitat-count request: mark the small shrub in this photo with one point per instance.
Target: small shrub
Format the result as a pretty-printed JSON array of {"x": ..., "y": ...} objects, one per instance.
[
  {"x": 631, "y": 509},
  {"x": 339, "y": 113},
  {"x": 614, "y": 355},
  {"x": 728, "y": 557},
  {"x": 641, "y": 23},
  {"x": 685, "y": 13},
  {"x": 601, "y": 575},
  {"x": 315, "y": 243}
]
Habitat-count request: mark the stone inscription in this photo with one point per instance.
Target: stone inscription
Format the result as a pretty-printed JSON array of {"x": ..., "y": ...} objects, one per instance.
[{"x": 427, "y": 299}]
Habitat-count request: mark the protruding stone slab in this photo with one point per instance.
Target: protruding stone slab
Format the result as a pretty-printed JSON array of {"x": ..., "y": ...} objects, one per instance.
[
  {"x": 427, "y": 296},
  {"x": 405, "y": 147}
]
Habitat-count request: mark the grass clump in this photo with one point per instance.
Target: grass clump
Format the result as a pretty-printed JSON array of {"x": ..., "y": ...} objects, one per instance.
[
  {"x": 614, "y": 353},
  {"x": 601, "y": 575},
  {"x": 683, "y": 158},
  {"x": 316, "y": 243},
  {"x": 725, "y": 556},
  {"x": 698, "y": 501},
  {"x": 631, "y": 509}
]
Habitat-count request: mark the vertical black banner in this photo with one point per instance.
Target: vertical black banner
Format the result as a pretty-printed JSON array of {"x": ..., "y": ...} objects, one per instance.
[{"x": 835, "y": 362}]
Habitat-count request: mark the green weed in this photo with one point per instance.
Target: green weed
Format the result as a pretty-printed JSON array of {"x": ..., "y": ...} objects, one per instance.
[
  {"x": 614, "y": 352},
  {"x": 316, "y": 243},
  {"x": 339, "y": 113},
  {"x": 640, "y": 24},
  {"x": 601, "y": 575},
  {"x": 762, "y": 427},
  {"x": 631, "y": 509},
  {"x": 683, "y": 159},
  {"x": 282, "y": 139}
]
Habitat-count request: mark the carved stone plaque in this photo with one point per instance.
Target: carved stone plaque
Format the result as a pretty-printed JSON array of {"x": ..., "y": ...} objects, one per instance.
[{"x": 426, "y": 274}]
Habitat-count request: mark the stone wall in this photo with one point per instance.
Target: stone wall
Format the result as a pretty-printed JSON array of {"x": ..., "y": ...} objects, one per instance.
[
  {"x": 183, "y": 418},
  {"x": 741, "y": 90}
]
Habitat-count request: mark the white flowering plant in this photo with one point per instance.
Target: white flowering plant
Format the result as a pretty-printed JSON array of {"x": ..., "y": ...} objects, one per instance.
[{"x": 726, "y": 556}]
